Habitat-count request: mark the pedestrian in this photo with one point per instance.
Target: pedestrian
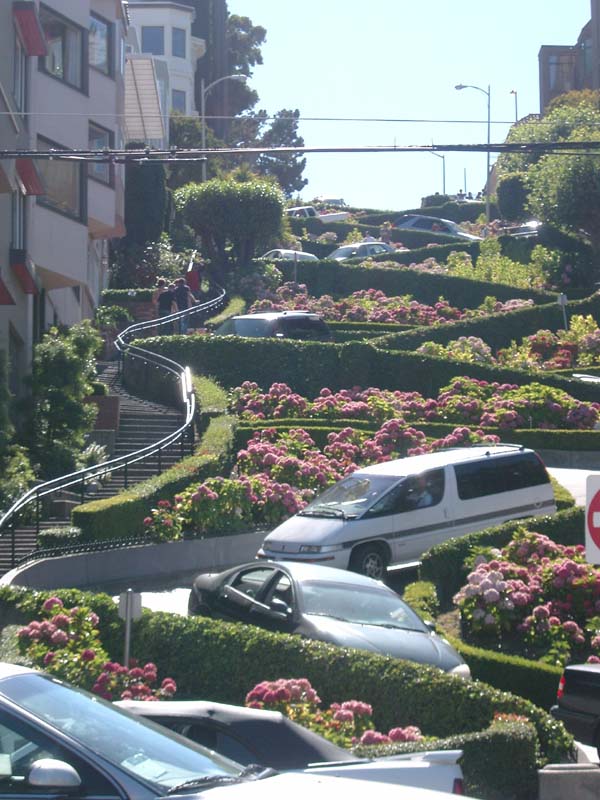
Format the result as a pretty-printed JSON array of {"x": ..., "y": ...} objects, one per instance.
[
  {"x": 184, "y": 299},
  {"x": 164, "y": 300}
]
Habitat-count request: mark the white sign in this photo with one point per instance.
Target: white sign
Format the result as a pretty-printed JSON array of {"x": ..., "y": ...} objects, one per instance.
[{"x": 592, "y": 519}]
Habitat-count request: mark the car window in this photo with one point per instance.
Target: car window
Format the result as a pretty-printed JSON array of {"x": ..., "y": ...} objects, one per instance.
[
  {"x": 378, "y": 248},
  {"x": 303, "y": 328},
  {"x": 251, "y": 581},
  {"x": 281, "y": 594},
  {"x": 423, "y": 224},
  {"x": 21, "y": 746},
  {"x": 218, "y": 740}
]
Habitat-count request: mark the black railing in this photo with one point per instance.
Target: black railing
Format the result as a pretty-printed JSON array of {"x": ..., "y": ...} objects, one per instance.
[{"x": 28, "y": 509}]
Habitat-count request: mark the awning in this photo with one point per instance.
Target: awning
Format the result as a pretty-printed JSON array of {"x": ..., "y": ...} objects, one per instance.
[
  {"x": 143, "y": 114},
  {"x": 18, "y": 264},
  {"x": 29, "y": 27},
  {"x": 6, "y": 298},
  {"x": 54, "y": 280},
  {"x": 29, "y": 176}
]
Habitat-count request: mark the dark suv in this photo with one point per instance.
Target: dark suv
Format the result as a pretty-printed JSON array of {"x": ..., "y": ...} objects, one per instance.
[{"x": 282, "y": 324}]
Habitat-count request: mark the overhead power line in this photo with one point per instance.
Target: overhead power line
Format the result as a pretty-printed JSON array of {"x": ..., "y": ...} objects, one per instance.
[{"x": 194, "y": 154}]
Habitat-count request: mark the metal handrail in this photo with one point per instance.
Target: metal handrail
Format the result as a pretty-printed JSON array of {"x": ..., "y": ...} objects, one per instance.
[{"x": 126, "y": 350}]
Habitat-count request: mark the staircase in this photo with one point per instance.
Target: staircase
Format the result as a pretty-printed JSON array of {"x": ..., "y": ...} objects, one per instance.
[{"x": 141, "y": 423}]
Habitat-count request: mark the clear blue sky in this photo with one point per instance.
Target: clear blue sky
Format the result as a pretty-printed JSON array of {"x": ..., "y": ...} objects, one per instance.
[{"x": 399, "y": 59}]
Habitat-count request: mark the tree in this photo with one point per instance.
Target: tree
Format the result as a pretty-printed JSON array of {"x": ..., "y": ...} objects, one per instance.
[
  {"x": 233, "y": 218},
  {"x": 62, "y": 369},
  {"x": 145, "y": 200},
  {"x": 288, "y": 169},
  {"x": 186, "y": 132},
  {"x": 565, "y": 191}
]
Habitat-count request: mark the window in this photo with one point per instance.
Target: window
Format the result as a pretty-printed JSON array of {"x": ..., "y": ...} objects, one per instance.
[
  {"x": 494, "y": 476},
  {"x": 99, "y": 139},
  {"x": 65, "y": 43},
  {"x": 153, "y": 40},
  {"x": 178, "y": 99},
  {"x": 64, "y": 184},
  {"x": 178, "y": 42},
  {"x": 101, "y": 54},
  {"x": 18, "y": 221},
  {"x": 20, "y": 76}
]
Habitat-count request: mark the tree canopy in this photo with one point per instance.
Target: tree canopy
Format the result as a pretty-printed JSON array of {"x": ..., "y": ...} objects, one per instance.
[{"x": 233, "y": 218}]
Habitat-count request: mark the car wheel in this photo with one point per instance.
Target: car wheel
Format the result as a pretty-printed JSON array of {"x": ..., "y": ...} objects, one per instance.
[{"x": 370, "y": 560}]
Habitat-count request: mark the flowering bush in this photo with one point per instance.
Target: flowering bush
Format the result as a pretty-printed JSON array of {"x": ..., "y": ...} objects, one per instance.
[
  {"x": 536, "y": 595},
  {"x": 373, "y": 305},
  {"x": 164, "y": 522},
  {"x": 67, "y": 644},
  {"x": 346, "y": 723}
]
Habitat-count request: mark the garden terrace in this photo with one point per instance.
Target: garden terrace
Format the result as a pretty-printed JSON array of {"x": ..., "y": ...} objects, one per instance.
[{"x": 333, "y": 277}]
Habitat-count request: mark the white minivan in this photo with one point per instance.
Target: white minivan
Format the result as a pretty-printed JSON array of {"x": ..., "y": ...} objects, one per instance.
[{"x": 391, "y": 513}]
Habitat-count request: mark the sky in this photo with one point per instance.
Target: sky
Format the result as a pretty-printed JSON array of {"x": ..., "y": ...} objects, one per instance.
[{"x": 401, "y": 60}]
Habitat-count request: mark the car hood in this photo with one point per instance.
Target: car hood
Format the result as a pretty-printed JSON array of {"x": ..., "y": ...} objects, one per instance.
[
  {"x": 425, "y": 648},
  {"x": 316, "y": 787},
  {"x": 306, "y": 530}
]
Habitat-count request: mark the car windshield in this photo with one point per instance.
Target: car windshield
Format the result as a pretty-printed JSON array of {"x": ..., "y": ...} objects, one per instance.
[
  {"x": 148, "y": 752},
  {"x": 358, "y": 604},
  {"x": 351, "y": 497},
  {"x": 344, "y": 252}
]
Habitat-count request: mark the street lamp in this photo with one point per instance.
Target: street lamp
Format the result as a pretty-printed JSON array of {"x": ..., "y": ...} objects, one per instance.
[
  {"x": 514, "y": 91},
  {"x": 489, "y": 121},
  {"x": 204, "y": 90},
  {"x": 439, "y": 155}
]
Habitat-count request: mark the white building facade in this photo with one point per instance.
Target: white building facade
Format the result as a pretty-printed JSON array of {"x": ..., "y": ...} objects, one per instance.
[{"x": 62, "y": 84}]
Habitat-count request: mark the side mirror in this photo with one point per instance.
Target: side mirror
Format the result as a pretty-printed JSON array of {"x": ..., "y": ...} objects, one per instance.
[
  {"x": 429, "y": 623},
  {"x": 280, "y": 608},
  {"x": 50, "y": 773}
]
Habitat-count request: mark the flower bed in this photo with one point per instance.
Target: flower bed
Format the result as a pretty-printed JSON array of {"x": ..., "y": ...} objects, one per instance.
[
  {"x": 465, "y": 401},
  {"x": 577, "y": 347},
  {"x": 373, "y": 305},
  {"x": 535, "y": 597}
]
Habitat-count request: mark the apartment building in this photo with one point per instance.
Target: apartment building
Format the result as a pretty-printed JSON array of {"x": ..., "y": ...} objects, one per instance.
[
  {"x": 61, "y": 88},
  {"x": 164, "y": 31},
  {"x": 564, "y": 68}
]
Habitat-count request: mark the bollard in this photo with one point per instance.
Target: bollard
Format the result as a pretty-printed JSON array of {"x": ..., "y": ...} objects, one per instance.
[{"x": 563, "y": 781}]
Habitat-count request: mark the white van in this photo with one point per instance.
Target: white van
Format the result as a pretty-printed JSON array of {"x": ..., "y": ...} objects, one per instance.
[{"x": 391, "y": 513}]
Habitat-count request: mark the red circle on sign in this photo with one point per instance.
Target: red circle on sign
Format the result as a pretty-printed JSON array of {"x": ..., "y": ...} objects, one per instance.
[{"x": 594, "y": 508}]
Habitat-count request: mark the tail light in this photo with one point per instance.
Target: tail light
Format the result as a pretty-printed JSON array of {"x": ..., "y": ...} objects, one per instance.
[
  {"x": 458, "y": 787},
  {"x": 561, "y": 688}
]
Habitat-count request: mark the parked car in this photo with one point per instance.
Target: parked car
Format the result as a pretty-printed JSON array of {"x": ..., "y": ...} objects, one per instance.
[
  {"x": 58, "y": 741},
  {"x": 289, "y": 255},
  {"x": 327, "y": 604},
  {"x": 391, "y": 513},
  {"x": 255, "y": 736},
  {"x": 281, "y": 324},
  {"x": 526, "y": 230},
  {"x": 421, "y": 222},
  {"x": 307, "y": 212},
  {"x": 360, "y": 250},
  {"x": 578, "y": 702}
]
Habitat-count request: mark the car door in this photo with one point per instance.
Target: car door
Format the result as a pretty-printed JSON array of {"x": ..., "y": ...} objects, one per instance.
[
  {"x": 238, "y": 597},
  {"x": 417, "y": 519},
  {"x": 22, "y": 744}
]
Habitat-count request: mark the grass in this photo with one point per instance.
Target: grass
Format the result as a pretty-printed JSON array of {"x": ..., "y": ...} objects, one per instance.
[{"x": 212, "y": 398}]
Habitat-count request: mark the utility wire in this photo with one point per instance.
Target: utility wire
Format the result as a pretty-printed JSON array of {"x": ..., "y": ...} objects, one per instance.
[{"x": 194, "y": 154}]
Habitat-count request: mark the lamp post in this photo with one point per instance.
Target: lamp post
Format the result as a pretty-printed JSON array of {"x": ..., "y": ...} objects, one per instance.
[
  {"x": 204, "y": 90},
  {"x": 514, "y": 91},
  {"x": 443, "y": 157},
  {"x": 488, "y": 93}
]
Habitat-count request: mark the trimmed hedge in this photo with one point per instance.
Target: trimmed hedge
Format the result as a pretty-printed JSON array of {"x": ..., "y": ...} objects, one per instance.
[
  {"x": 339, "y": 279},
  {"x": 309, "y": 366},
  {"x": 400, "y": 692},
  {"x": 457, "y": 212},
  {"x": 443, "y": 565},
  {"x": 497, "y": 330},
  {"x": 124, "y": 513},
  {"x": 498, "y": 763}
]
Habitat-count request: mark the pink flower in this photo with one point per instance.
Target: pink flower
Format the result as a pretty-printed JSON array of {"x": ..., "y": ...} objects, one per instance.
[
  {"x": 88, "y": 655},
  {"x": 51, "y": 602},
  {"x": 48, "y": 658},
  {"x": 59, "y": 638}
]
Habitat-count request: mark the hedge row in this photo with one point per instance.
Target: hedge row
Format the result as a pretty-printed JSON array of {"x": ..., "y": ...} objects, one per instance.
[
  {"x": 124, "y": 513},
  {"x": 443, "y": 565},
  {"x": 497, "y": 330},
  {"x": 457, "y": 212},
  {"x": 499, "y": 762},
  {"x": 309, "y": 366},
  {"x": 401, "y": 693},
  {"x": 337, "y": 279}
]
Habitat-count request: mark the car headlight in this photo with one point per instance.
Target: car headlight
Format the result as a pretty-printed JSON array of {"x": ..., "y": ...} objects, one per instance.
[
  {"x": 319, "y": 548},
  {"x": 461, "y": 671}
]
